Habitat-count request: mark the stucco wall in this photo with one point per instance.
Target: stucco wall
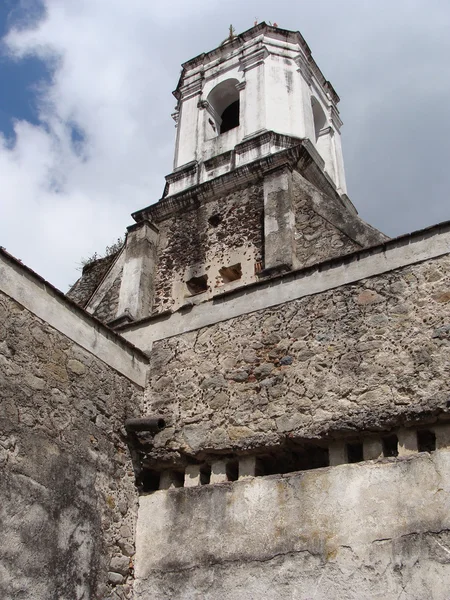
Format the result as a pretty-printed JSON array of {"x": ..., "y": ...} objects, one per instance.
[
  {"x": 366, "y": 356},
  {"x": 353, "y": 532},
  {"x": 68, "y": 501}
]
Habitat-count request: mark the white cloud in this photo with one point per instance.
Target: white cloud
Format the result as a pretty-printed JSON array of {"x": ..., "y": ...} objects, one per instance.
[{"x": 115, "y": 64}]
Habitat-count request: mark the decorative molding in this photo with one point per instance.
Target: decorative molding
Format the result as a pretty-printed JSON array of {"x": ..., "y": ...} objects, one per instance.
[
  {"x": 301, "y": 153},
  {"x": 335, "y": 118},
  {"x": 303, "y": 68},
  {"x": 182, "y": 172},
  {"x": 254, "y": 59},
  {"x": 326, "y": 131}
]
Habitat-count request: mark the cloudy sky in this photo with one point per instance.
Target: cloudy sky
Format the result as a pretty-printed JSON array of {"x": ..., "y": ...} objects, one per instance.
[{"x": 85, "y": 101}]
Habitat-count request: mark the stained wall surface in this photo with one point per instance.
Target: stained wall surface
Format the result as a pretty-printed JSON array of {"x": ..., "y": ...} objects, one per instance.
[
  {"x": 352, "y": 532},
  {"x": 366, "y": 356},
  {"x": 67, "y": 496},
  {"x": 216, "y": 234}
]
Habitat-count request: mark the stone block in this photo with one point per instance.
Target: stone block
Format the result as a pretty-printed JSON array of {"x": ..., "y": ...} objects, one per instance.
[
  {"x": 192, "y": 476},
  {"x": 170, "y": 479},
  {"x": 337, "y": 452},
  {"x": 407, "y": 442},
  {"x": 442, "y": 433},
  {"x": 372, "y": 448},
  {"x": 247, "y": 467},
  {"x": 218, "y": 472}
]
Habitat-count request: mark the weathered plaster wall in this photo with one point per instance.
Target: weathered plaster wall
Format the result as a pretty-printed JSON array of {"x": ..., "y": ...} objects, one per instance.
[
  {"x": 68, "y": 502},
  {"x": 372, "y": 530},
  {"x": 364, "y": 356}
]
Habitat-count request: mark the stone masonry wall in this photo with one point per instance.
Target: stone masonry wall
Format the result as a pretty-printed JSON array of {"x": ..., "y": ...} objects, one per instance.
[
  {"x": 367, "y": 356},
  {"x": 107, "y": 309},
  {"x": 316, "y": 239},
  {"x": 92, "y": 274},
  {"x": 68, "y": 502},
  {"x": 188, "y": 238}
]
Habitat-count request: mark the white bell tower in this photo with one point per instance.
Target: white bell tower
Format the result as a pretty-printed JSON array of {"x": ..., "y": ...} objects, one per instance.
[{"x": 256, "y": 94}]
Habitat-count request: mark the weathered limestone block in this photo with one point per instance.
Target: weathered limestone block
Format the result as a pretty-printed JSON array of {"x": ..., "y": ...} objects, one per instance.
[
  {"x": 407, "y": 442},
  {"x": 372, "y": 448},
  {"x": 247, "y": 467},
  {"x": 192, "y": 476},
  {"x": 337, "y": 452},
  {"x": 218, "y": 471}
]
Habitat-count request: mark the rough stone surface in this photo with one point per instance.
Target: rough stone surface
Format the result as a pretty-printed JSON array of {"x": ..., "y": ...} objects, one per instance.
[
  {"x": 362, "y": 357},
  {"x": 316, "y": 238},
  {"x": 378, "y": 530},
  {"x": 67, "y": 485},
  {"x": 107, "y": 309},
  {"x": 187, "y": 240},
  {"x": 90, "y": 278}
]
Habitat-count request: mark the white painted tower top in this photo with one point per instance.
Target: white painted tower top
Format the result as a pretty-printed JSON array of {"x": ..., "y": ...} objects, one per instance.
[{"x": 229, "y": 99}]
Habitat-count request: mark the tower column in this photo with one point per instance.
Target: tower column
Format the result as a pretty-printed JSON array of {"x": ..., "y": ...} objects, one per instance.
[
  {"x": 137, "y": 289},
  {"x": 279, "y": 220}
]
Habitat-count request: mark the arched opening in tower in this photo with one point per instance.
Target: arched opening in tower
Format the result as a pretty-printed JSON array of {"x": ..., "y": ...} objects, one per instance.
[
  {"x": 224, "y": 106},
  {"x": 318, "y": 116},
  {"x": 230, "y": 117}
]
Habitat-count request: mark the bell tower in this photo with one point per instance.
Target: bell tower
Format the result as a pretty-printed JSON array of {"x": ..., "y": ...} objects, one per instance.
[
  {"x": 257, "y": 188},
  {"x": 264, "y": 80}
]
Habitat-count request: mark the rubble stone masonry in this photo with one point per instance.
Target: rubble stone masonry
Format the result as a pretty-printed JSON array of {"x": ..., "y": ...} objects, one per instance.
[
  {"x": 368, "y": 356},
  {"x": 68, "y": 507}
]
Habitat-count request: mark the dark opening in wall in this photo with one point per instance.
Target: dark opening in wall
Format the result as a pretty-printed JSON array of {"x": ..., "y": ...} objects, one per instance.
[
  {"x": 150, "y": 481},
  {"x": 230, "y": 117},
  {"x": 298, "y": 459},
  {"x": 197, "y": 285},
  {"x": 178, "y": 479},
  {"x": 426, "y": 440},
  {"x": 215, "y": 220},
  {"x": 232, "y": 470},
  {"x": 390, "y": 445},
  {"x": 355, "y": 452},
  {"x": 205, "y": 474},
  {"x": 232, "y": 273}
]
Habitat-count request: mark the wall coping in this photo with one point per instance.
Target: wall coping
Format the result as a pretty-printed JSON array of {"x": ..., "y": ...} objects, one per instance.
[
  {"x": 390, "y": 255},
  {"x": 48, "y": 303}
]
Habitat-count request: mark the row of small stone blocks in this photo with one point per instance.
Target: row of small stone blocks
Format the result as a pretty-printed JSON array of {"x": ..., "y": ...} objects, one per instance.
[{"x": 372, "y": 449}]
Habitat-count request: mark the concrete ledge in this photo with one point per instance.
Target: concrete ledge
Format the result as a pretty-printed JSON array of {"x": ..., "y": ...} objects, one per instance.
[
  {"x": 49, "y": 304},
  {"x": 393, "y": 254}
]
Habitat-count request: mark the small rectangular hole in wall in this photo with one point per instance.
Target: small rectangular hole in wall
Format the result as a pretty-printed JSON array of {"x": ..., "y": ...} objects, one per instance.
[
  {"x": 426, "y": 440},
  {"x": 205, "y": 474},
  {"x": 197, "y": 285},
  {"x": 355, "y": 452},
  {"x": 390, "y": 445},
  {"x": 298, "y": 459},
  {"x": 150, "y": 481},
  {"x": 178, "y": 479},
  {"x": 232, "y": 273},
  {"x": 232, "y": 470}
]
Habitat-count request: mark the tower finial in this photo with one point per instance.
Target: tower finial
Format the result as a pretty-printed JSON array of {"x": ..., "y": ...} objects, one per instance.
[{"x": 231, "y": 35}]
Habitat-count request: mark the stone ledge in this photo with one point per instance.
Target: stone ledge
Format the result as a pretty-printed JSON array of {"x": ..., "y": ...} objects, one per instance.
[
  {"x": 52, "y": 306},
  {"x": 390, "y": 255}
]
